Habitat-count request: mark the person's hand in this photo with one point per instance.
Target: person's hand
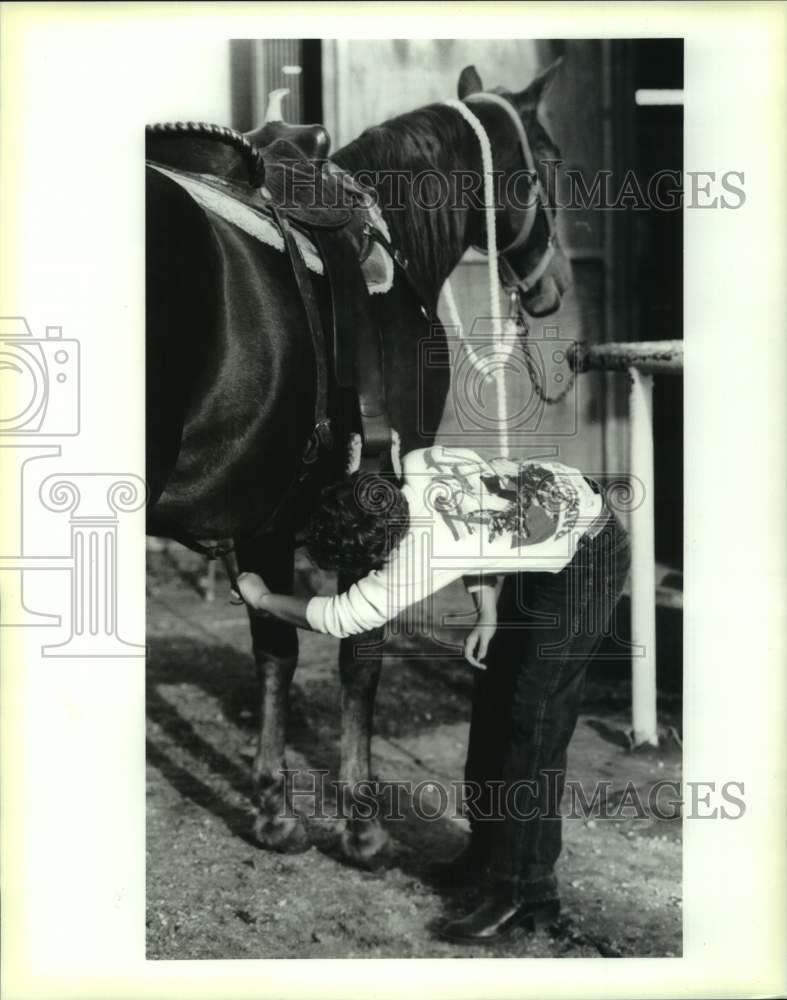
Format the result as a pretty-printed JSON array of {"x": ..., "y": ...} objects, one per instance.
[
  {"x": 252, "y": 589},
  {"x": 477, "y": 643}
]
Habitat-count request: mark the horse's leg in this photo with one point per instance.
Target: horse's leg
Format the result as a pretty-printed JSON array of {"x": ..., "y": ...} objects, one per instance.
[
  {"x": 364, "y": 842},
  {"x": 275, "y": 646}
]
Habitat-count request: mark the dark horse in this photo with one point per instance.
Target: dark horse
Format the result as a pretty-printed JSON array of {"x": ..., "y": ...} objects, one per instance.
[{"x": 231, "y": 382}]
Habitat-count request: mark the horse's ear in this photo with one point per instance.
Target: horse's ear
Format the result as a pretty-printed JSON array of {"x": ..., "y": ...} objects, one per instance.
[
  {"x": 469, "y": 82},
  {"x": 534, "y": 92}
]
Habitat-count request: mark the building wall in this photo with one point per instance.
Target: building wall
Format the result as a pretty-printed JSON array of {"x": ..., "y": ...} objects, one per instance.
[{"x": 368, "y": 81}]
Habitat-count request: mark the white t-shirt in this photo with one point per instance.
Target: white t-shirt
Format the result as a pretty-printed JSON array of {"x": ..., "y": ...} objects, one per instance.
[{"x": 454, "y": 499}]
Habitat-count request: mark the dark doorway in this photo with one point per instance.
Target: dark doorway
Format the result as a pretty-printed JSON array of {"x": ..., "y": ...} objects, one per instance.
[{"x": 648, "y": 138}]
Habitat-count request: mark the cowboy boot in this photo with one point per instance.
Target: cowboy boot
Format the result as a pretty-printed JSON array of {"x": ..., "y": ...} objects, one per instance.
[{"x": 504, "y": 909}]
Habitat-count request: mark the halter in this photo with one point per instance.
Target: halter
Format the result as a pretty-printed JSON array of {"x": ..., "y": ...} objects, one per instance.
[{"x": 511, "y": 280}]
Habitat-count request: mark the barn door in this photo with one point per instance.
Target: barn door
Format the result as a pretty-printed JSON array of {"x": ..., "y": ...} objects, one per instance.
[{"x": 646, "y": 123}]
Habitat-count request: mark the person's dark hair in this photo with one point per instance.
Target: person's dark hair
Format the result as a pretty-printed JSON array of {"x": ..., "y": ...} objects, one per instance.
[{"x": 358, "y": 521}]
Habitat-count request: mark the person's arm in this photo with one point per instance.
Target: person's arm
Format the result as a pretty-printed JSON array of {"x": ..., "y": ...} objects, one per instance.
[
  {"x": 257, "y": 596},
  {"x": 368, "y": 604},
  {"x": 483, "y": 590}
]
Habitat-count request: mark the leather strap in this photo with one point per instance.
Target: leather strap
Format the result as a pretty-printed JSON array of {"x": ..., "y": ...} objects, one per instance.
[
  {"x": 357, "y": 340},
  {"x": 511, "y": 279},
  {"x": 401, "y": 262},
  {"x": 218, "y": 550},
  {"x": 322, "y": 425}
]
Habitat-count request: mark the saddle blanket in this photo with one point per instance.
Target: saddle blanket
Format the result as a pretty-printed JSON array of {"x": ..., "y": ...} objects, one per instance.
[{"x": 377, "y": 268}]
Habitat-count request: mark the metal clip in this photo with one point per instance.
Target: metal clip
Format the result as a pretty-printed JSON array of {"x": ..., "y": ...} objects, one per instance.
[
  {"x": 321, "y": 437},
  {"x": 374, "y": 234}
]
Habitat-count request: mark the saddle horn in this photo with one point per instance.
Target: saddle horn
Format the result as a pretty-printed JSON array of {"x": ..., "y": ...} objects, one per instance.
[{"x": 274, "y": 111}]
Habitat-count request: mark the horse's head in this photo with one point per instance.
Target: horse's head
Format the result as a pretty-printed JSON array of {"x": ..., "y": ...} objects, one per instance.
[{"x": 532, "y": 262}]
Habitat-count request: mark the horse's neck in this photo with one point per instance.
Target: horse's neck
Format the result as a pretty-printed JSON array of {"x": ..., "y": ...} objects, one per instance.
[{"x": 403, "y": 159}]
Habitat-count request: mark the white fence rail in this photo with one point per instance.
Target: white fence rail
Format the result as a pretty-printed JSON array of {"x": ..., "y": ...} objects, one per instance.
[{"x": 641, "y": 362}]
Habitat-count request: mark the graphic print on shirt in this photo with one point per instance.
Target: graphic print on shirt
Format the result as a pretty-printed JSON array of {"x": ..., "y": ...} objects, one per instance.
[
  {"x": 528, "y": 500},
  {"x": 464, "y": 517}
]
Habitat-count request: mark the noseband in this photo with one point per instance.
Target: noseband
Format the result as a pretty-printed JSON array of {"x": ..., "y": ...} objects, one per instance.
[{"x": 509, "y": 278}]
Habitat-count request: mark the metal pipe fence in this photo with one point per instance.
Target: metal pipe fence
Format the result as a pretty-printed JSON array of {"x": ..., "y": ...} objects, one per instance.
[{"x": 640, "y": 361}]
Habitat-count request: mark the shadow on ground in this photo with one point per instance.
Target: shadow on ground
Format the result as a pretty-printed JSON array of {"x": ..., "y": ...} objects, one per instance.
[{"x": 212, "y": 893}]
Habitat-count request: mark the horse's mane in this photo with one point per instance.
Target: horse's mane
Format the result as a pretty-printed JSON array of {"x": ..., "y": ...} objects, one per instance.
[{"x": 433, "y": 138}]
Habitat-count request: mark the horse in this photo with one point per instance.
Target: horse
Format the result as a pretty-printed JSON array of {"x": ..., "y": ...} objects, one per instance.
[{"x": 231, "y": 382}]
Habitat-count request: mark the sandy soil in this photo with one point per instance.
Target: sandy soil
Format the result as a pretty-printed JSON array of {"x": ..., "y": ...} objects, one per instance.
[{"x": 211, "y": 893}]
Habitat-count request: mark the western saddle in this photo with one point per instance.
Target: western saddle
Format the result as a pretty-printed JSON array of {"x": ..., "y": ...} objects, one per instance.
[{"x": 282, "y": 172}]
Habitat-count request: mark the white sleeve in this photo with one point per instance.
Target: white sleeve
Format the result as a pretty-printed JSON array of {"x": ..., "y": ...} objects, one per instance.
[
  {"x": 365, "y": 606},
  {"x": 376, "y": 599}
]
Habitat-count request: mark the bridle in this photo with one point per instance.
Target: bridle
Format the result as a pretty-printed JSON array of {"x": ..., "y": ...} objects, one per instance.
[
  {"x": 509, "y": 278},
  {"x": 501, "y": 272}
]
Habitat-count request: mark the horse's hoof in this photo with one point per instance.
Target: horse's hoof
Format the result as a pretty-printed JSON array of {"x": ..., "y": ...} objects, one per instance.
[
  {"x": 286, "y": 836},
  {"x": 365, "y": 845}
]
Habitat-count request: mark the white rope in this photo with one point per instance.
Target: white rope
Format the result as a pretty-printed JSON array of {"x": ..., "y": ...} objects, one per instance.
[{"x": 503, "y": 337}]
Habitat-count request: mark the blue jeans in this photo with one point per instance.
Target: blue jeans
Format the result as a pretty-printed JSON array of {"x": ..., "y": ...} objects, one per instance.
[{"x": 526, "y": 703}]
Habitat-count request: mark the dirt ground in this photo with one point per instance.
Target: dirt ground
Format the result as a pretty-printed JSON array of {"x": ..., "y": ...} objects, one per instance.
[{"x": 212, "y": 894}]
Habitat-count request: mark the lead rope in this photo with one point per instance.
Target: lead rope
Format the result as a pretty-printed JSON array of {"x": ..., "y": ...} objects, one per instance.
[{"x": 503, "y": 336}]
